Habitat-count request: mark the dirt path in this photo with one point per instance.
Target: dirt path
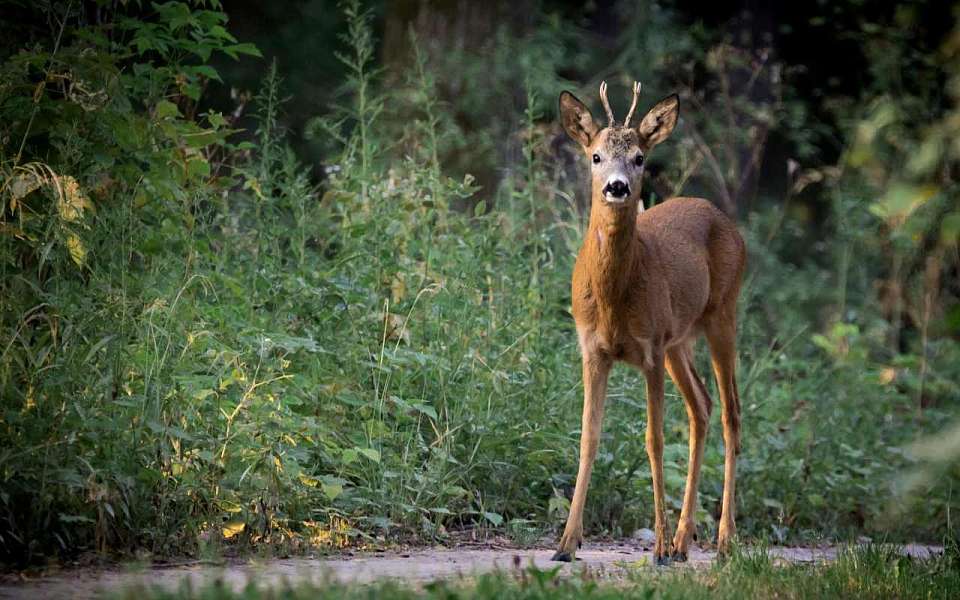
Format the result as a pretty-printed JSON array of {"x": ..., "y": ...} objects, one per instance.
[{"x": 415, "y": 566}]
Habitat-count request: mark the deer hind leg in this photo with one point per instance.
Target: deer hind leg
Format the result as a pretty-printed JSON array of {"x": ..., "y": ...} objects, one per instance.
[
  {"x": 654, "y": 377},
  {"x": 596, "y": 370},
  {"x": 721, "y": 333},
  {"x": 697, "y": 400}
]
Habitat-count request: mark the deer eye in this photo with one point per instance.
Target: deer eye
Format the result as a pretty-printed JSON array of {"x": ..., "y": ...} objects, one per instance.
[
  {"x": 638, "y": 160},
  {"x": 596, "y": 159}
]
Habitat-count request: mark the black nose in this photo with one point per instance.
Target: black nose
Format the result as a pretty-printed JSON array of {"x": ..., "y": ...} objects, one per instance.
[{"x": 617, "y": 189}]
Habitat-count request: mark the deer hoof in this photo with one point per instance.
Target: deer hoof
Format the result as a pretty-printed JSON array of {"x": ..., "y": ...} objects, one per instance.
[
  {"x": 678, "y": 556},
  {"x": 561, "y": 556},
  {"x": 663, "y": 561}
]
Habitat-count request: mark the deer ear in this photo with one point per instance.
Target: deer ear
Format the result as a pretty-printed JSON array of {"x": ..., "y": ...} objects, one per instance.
[
  {"x": 576, "y": 119},
  {"x": 660, "y": 121}
]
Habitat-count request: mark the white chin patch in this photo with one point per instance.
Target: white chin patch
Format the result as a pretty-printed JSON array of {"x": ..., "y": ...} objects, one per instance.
[{"x": 611, "y": 199}]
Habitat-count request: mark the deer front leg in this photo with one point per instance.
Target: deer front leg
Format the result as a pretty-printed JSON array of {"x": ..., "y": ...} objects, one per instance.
[
  {"x": 654, "y": 377},
  {"x": 596, "y": 369}
]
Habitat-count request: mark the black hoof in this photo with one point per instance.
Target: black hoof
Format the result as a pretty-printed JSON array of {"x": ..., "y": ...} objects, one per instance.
[
  {"x": 561, "y": 556},
  {"x": 663, "y": 561},
  {"x": 679, "y": 556}
]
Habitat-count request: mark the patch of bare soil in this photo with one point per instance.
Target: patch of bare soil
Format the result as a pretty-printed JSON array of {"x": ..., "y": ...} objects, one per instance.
[{"x": 416, "y": 566}]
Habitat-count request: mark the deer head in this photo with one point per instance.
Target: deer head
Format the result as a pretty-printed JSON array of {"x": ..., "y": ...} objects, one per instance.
[{"x": 617, "y": 152}]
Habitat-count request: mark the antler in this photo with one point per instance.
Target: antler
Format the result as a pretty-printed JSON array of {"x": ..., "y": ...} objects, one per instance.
[
  {"x": 633, "y": 105},
  {"x": 606, "y": 103}
]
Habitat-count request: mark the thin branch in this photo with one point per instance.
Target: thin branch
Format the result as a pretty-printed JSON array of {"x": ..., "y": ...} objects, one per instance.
[{"x": 40, "y": 87}]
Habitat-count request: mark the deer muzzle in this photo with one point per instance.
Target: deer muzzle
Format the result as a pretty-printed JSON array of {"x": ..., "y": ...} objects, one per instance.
[{"x": 617, "y": 190}]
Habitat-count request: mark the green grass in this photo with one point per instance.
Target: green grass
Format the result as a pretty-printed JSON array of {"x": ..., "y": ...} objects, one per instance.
[{"x": 871, "y": 572}]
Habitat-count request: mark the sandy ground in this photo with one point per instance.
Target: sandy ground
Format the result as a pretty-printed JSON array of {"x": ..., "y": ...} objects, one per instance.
[{"x": 417, "y": 566}]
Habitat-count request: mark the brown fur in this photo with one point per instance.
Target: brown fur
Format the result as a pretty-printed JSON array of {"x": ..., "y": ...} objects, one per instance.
[
  {"x": 646, "y": 284},
  {"x": 645, "y": 279}
]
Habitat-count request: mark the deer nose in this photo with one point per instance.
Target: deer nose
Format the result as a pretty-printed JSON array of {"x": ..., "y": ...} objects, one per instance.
[{"x": 618, "y": 188}]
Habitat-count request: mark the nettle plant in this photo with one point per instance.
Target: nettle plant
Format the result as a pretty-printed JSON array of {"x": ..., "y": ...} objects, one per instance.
[
  {"x": 105, "y": 161},
  {"x": 107, "y": 112}
]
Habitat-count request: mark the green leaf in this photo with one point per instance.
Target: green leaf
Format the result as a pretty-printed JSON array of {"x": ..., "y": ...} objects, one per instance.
[
  {"x": 216, "y": 120},
  {"x": 771, "y": 503},
  {"x": 75, "y": 519},
  {"x": 143, "y": 44},
  {"x": 494, "y": 518},
  {"x": 208, "y": 71},
  {"x": 96, "y": 347},
  {"x": 332, "y": 490},
  {"x": 219, "y": 32},
  {"x": 198, "y": 167},
  {"x": 166, "y": 109},
  {"x": 950, "y": 228},
  {"x": 425, "y": 409},
  {"x": 192, "y": 91},
  {"x": 244, "y": 48},
  {"x": 370, "y": 453}
]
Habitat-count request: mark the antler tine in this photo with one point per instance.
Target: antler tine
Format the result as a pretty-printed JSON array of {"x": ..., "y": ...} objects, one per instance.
[
  {"x": 606, "y": 103},
  {"x": 633, "y": 105}
]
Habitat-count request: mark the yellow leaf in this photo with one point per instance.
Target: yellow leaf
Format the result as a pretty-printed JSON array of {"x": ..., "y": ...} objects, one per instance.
[
  {"x": 21, "y": 185},
  {"x": 308, "y": 481},
  {"x": 77, "y": 252},
  {"x": 888, "y": 375},
  {"x": 232, "y": 529},
  {"x": 900, "y": 201},
  {"x": 398, "y": 289},
  {"x": 72, "y": 201},
  {"x": 230, "y": 507},
  {"x": 31, "y": 400},
  {"x": 254, "y": 184}
]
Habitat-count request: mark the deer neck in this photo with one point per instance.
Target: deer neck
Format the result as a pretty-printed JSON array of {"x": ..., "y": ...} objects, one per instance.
[{"x": 613, "y": 250}]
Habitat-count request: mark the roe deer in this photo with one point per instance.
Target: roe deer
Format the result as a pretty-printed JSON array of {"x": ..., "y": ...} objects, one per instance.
[{"x": 645, "y": 285}]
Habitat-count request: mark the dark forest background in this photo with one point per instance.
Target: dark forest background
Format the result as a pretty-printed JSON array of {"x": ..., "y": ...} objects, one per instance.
[{"x": 296, "y": 274}]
